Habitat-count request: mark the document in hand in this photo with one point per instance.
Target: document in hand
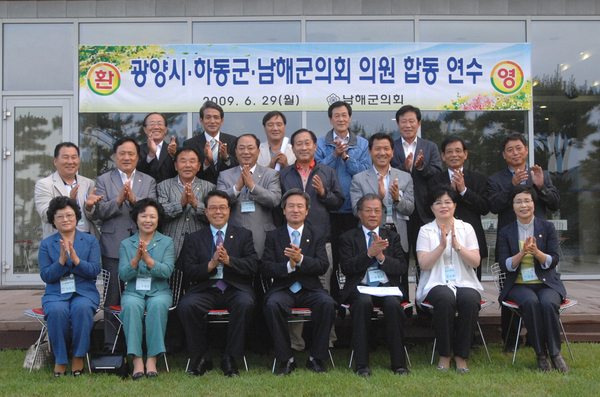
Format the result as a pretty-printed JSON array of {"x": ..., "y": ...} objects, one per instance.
[{"x": 379, "y": 291}]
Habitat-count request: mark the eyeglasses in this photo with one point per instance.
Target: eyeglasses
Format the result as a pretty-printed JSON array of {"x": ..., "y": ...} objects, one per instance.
[
  {"x": 521, "y": 202},
  {"x": 61, "y": 217},
  {"x": 215, "y": 208},
  {"x": 155, "y": 124},
  {"x": 375, "y": 211},
  {"x": 446, "y": 203}
]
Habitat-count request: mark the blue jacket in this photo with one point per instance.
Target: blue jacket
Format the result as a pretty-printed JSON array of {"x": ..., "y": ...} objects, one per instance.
[
  {"x": 162, "y": 250},
  {"x": 358, "y": 162},
  {"x": 51, "y": 271}
]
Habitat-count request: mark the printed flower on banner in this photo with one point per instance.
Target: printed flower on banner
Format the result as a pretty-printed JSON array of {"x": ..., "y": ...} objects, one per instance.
[{"x": 518, "y": 101}]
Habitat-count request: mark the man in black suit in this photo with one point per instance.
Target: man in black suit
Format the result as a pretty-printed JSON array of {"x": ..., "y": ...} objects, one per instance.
[
  {"x": 374, "y": 257},
  {"x": 219, "y": 262},
  {"x": 421, "y": 159},
  {"x": 471, "y": 187},
  {"x": 157, "y": 156},
  {"x": 216, "y": 149},
  {"x": 295, "y": 257}
]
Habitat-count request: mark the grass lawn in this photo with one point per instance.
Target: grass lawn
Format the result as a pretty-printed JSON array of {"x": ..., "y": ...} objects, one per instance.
[{"x": 501, "y": 378}]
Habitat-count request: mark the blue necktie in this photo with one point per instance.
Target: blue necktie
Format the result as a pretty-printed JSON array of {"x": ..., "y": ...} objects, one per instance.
[
  {"x": 220, "y": 283},
  {"x": 296, "y": 286},
  {"x": 374, "y": 265}
]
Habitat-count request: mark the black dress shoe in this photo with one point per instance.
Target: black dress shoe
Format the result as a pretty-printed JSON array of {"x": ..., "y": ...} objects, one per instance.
[
  {"x": 316, "y": 365},
  {"x": 60, "y": 374},
  {"x": 544, "y": 362},
  {"x": 201, "y": 365},
  {"x": 138, "y": 376},
  {"x": 560, "y": 364},
  {"x": 285, "y": 368},
  {"x": 363, "y": 370},
  {"x": 76, "y": 373},
  {"x": 400, "y": 371},
  {"x": 229, "y": 367},
  {"x": 151, "y": 374}
]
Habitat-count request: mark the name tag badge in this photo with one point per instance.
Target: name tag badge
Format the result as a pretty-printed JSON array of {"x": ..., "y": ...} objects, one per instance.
[
  {"x": 450, "y": 273},
  {"x": 389, "y": 209},
  {"x": 219, "y": 275},
  {"x": 375, "y": 275},
  {"x": 529, "y": 274},
  {"x": 143, "y": 283},
  {"x": 248, "y": 206},
  {"x": 67, "y": 284}
]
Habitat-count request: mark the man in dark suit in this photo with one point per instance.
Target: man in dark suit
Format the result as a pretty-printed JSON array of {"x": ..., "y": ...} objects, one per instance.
[
  {"x": 120, "y": 189},
  {"x": 294, "y": 258},
  {"x": 515, "y": 151},
  {"x": 373, "y": 256},
  {"x": 421, "y": 159},
  {"x": 471, "y": 186},
  {"x": 215, "y": 148},
  {"x": 219, "y": 262},
  {"x": 157, "y": 156}
]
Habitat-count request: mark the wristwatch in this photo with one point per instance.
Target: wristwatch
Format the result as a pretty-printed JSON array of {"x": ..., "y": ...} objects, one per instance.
[{"x": 346, "y": 159}]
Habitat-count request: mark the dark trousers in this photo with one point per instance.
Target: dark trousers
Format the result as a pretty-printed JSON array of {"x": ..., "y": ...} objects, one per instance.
[
  {"x": 194, "y": 307},
  {"x": 113, "y": 298},
  {"x": 454, "y": 333},
  {"x": 277, "y": 309},
  {"x": 340, "y": 224},
  {"x": 361, "y": 308},
  {"x": 539, "y": 306}
]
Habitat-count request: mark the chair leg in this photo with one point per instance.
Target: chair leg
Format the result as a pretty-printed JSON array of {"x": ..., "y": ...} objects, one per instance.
[
  {"x": 187, "y": 365},
  {"x": 566, "y": 340},
  {"x": 274, "y": 361},
  {"x": 117, "y": 337},
  {"x": 166, "y": 364},
  {"x": 433, "y": 351},
  {"x": 37, "y": 347},
  {"x": 407, "y": 357},
  {"x": 87, "y": 357},
  {"x": 351, "y": 357},
  {"x": 508, "y": 329},
  {"x": 517, "y": 339},
  {"x": 245, "y": 363},
  {"x": 484, "y": 344},
  {"x": 331, "y": 358}
]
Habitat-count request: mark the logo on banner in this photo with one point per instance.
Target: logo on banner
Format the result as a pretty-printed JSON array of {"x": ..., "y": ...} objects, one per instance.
[
  {"x": 104, "y": 78},
  {"x": 507, "y": 77}
]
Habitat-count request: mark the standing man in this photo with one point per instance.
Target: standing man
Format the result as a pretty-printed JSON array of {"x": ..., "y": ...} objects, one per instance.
[
  {"x": 277, "y": 152},
  {"x": 393, "y": 187},
  {"x": 155, "y": 161},
  {"x": 515, "y": 151},
  {"x": 255, "y": 190},
  {"x": 120, "y": 189},
  {"x": 215, "y": 148},
  {"x": 471, "y": 186},
  {"x": 348, "y": 155},
  {"x": 295, "y": 257},
  {"x": 373, "y": 256},
  {"x": 66, "y": 182},
  {"x": 182, "y": 198},
  {"x": 421, "y": 159},
  {"x": 219, "y": 262}
]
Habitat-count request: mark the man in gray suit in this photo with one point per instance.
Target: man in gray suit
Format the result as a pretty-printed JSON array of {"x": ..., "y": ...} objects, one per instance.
[
  {"x": 120, "y": 189},
  {"x": 255, "y": 190},
  {"x": 393, "y": 186},
  {"x": 182, "y": 198},
  {"x": 66, "y": 182}
]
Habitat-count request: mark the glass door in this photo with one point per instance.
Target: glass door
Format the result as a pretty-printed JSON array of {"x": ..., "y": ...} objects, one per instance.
[{"x": 31, "y": 130}]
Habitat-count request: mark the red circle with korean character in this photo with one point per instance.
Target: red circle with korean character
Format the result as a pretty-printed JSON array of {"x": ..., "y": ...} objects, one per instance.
[
  {"x": 104, "y": 78},
  {"x": 507, "y": 77}
]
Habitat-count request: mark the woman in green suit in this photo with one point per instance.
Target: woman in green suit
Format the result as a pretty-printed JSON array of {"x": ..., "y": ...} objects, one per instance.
[{"x": 146, "y": 261}]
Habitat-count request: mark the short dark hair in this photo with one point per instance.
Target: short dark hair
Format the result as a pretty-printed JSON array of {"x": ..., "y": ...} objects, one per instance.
[
  {"x": 522, "y": 189},
  {"x": 186, "y": 149},
  {"x": 59, "y": 203},
  {"x": 452, "y": 139},
  {"x": 121, "y": 141},
  {"x": 150, "y": 114},
  {"x": 512, "y": 137},
  {"x": 251, "y": 136},
  {"x": 368, "y": 197},
  {"x": 141, "y": 205},
  {"x": 408, "y": 108},
  {"x": 295, "y": 192},
  {"x": 217, "y": 193},
  {"x": 211, "y": 105},
  {"x": 380, "y": 136},
  {"x": 439, "y": 191},
  {"x": 62, "y": 145},
  {"x": 339, "y": 104},
  {"x": 301, "y": 130},
  {"x": 272, "y": 114}
]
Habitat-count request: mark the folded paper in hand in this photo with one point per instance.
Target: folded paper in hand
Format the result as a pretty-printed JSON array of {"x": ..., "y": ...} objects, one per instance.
[{"x": 379, "y": 291}]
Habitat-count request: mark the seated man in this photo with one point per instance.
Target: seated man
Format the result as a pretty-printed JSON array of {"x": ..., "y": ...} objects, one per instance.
[
  {"x": 295, "y": 257},
  {"x": 219, "y": 262},
  {"x": 374, "y": 257}
]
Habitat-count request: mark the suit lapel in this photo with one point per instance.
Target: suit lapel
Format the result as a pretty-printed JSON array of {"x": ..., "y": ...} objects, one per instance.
[
  {"x": 59, "y": 184},
  {"x": 164, "y": 152},
  {"x": 359, "y": 236},
  {"x": 229, "y": 237},
  {"x": 115, "y": 177},
  {"x": 372, "y": 180},
  {"x": 514, "y": 239},
  {"x": 138, "y": 181},
  {"x": 305, "y": 238},
  {"x": 257, "y": 175}
]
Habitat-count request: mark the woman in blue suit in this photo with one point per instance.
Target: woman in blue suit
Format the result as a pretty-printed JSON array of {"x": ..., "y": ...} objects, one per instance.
[
  {"x": 528, "y": 254},
  {"x": 146, "y": 261},
  {"x": 69, "y": 263}
]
